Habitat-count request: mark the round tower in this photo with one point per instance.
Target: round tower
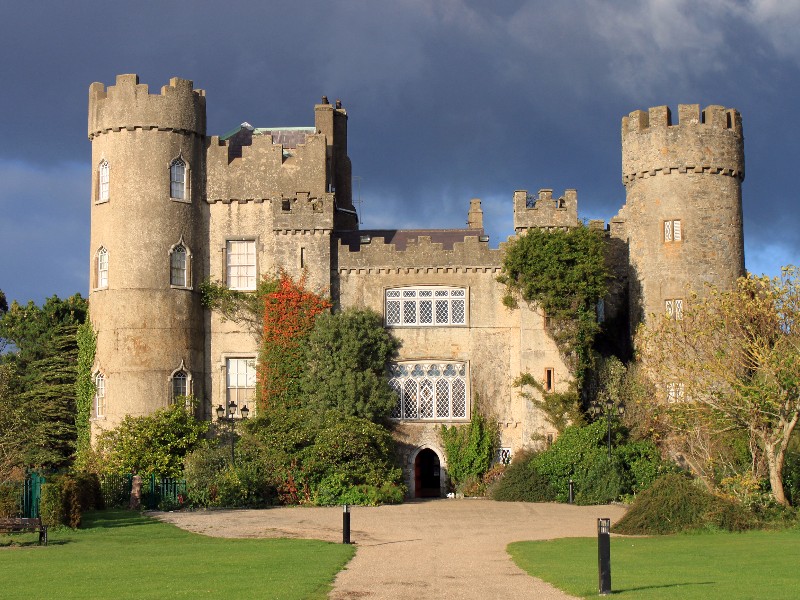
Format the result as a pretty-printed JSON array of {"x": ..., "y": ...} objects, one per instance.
[
  {"x": 683, "y": 211},
  {"x": 148, "y": 154}
]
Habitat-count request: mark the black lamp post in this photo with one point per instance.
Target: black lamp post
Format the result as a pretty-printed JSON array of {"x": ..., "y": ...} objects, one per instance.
[
  {"x": 597, "y": 408},
  {"x": 230, "y": 420}
]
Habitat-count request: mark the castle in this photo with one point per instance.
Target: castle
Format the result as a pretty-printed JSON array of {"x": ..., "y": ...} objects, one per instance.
[{"x": 172, "y": 206}]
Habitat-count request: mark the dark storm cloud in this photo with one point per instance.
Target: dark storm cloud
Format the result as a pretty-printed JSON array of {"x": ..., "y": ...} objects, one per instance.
[{"x": 447, "y": 100}]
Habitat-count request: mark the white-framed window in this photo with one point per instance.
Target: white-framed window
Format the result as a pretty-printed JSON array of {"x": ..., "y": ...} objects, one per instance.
[
  {"x": 99, "y": 395},
  {"x": 102, "y": 267},
  {"x": 241, "y": 264},
  {"x": 675, "y": 392},
  {"x": 503, "y": 456},
  {"x": 180, "y": 384},
  {"x": 102, "y": 181},
  {"x": 177, "y": 179},
  {"x": 426, "y": 306},
  {"x": 672, "y": 231},
  {"x": 240, "y": 375},
  {"x": 674, "y": 308},
  {"x": 178, "y": 266},
  {"x": 430, "y": 390}
]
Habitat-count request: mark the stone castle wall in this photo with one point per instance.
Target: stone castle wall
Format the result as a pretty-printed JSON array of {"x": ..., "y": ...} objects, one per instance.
[
  {"x": 689, "y": 171},
  {"x": 288, "y": 191}
]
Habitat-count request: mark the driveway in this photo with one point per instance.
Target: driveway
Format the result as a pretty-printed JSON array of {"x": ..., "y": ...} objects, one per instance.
[{"x": 424, "y": 549}]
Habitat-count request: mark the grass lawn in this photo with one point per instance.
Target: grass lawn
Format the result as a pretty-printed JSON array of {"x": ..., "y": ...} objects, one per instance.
[
  {"x": 120, "y": 554},
  {"x": 759, "y": 564}
]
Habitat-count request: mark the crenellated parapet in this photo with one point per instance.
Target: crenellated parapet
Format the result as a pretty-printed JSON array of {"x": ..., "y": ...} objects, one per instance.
[
  {"x": 707, "y": 142},
  {"x": 544, "y": 211},
  {"x": 266, "y": 169},
  {"x": 129, "y": 105},
  {"x": 372, "y": 254}
]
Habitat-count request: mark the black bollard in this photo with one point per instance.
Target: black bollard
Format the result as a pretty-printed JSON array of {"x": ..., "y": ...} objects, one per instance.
[
  {"x": 346, "y": 525},
  {"x": 604, "y": 555},
  {"x": 571, "y": 492}
]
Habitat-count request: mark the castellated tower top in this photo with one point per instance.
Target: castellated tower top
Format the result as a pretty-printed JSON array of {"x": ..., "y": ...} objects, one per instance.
[
  {"x": 710, "y": 141},
  {"x": 129, "y": 105}
]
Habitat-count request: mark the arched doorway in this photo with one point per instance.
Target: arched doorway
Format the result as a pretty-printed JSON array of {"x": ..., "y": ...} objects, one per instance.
[{"x": 427, "y": 475}]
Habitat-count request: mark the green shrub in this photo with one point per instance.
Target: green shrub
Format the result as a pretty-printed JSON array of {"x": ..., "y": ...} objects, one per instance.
[
  {"x": 521, "y": 482},
  {"x": 90, "y": 495},
  {"x": 10, "y": 498},
  {"x": 676, "y": 503},
  {"x": 155, "y": 443},
  {"x": 470, "y": 450},
  {"x": 329, "y": 458},
  {"x": 58, "y": 505}
]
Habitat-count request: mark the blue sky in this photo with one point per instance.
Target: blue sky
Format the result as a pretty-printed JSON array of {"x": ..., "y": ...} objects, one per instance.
[{"x": 448, "y": 100}]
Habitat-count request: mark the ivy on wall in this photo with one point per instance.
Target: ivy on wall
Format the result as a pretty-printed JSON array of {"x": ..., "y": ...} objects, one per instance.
[
  {"x": 290, "y": 312},
  {"x": 84, "y": 387},
  {"x": 564, "y": 273},
  {"x": 470, "y": 449}
]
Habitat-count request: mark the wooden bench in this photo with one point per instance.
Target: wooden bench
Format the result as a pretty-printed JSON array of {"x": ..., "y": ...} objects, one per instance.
[{"x": 22, "y": 524}]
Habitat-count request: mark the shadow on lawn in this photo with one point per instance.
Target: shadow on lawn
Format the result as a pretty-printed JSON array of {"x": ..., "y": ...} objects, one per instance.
[
  {"x": 657, "y": 587},
  {"x": 112, "y": 518}
]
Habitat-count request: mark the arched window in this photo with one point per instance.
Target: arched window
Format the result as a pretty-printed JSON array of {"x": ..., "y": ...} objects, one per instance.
[
  {"x": 428, "y": 390},
  {"x": 102, "y": 267},
  {"x": 178, "y": 262},
  {"x": 102, "y": 181},
  {"x": 180, "y": 384},
  {"x": 99, "y": 395},
  {"x": 177, "y": 179}
]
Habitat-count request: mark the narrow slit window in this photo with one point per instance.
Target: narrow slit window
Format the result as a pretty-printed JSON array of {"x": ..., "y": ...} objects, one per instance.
[{"x": 549, "y": 379}]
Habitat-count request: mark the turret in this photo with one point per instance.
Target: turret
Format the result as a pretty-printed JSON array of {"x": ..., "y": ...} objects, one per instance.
[
  {"x": 683, "y": 214},
  {"x": 148, "y": 154}
]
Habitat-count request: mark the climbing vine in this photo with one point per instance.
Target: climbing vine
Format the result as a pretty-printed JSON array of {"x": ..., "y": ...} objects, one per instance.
[
  {"x": 564, "y": 273},
  {"x": 84, "y": 386},
  {"x": 289, "y": 313},
  {"x": 470, "y": 449}
]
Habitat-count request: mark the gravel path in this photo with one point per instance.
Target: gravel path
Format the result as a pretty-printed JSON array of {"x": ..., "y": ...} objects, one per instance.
[{"x": 425, "y": 549}]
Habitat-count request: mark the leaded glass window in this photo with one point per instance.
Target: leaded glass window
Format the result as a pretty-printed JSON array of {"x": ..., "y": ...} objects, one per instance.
[
  {"x": 180, "y": 386},
  {"x": 177, "y": 179},
  {"x": 426, "y": 306},
  {"x": 429, "y": 390},
  {"x": 99, "y": 395},
  {"x": 177, "y": 266},
  {"x": 102, "y": 268},
  {"x": 103, "y": 179}
]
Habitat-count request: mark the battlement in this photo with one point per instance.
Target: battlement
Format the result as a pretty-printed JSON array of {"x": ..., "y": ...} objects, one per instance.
[
  {"x": 129, "y": 105},
  {"x": 544, "y": 211},
  {"x": 415, "y": 250},
  {"x": 689, "y": 115},
  {"x": 264, "y": 169},
  {"x": 707, "y": 142}
]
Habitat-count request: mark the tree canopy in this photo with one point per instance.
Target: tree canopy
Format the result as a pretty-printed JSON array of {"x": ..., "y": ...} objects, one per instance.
[
  {"x": 346, "y": 358},
  {"x": 732, "y": 362},
  {"x": 39, "y": 371}
]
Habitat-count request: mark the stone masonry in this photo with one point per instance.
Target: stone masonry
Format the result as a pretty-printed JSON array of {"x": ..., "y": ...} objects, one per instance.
[{"x": 172, "y": 207}]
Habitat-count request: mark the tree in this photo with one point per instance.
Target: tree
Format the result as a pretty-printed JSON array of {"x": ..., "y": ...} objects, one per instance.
[
  {"x": 346, "y": 357},
  {"x": 733, "y": 362},
  {"x": 564, "y": 273},
  {"x": 40, "y": 372}
]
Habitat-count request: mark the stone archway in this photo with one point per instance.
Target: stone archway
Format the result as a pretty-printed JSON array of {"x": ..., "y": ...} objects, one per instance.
[{"x": 427, "y": 474}]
